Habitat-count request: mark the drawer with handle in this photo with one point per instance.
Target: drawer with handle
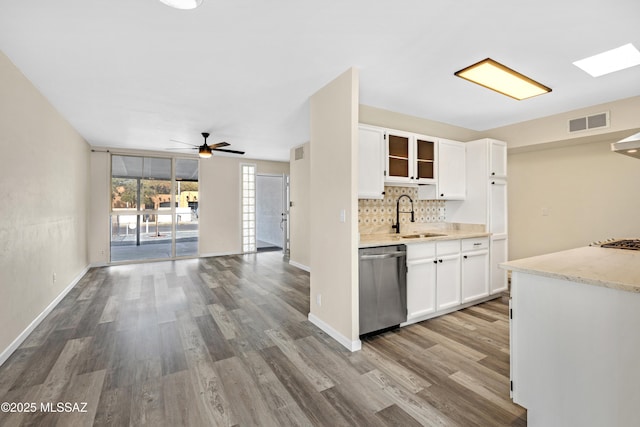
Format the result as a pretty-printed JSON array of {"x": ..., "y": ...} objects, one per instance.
[{"x": 475, "y": 244}]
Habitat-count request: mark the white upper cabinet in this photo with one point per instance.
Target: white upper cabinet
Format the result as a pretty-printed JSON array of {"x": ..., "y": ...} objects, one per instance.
[
  {"x": 370, "y": 162},
  {"x": 497, "y": 159},
  {"x": 394, "y": 157},
  {"x": 424, "y": 159},
  {"x": 451, "y": 170},
  {"x": 411, "y": 158},
  {"x": 399, "y": 157}
]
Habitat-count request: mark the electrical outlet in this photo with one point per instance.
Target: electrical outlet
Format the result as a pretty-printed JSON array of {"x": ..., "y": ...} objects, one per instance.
[{"x": 319, "y": 300}]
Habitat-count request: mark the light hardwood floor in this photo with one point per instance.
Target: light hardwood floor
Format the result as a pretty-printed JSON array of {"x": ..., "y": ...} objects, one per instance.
[{"x": 225, "y": 341}]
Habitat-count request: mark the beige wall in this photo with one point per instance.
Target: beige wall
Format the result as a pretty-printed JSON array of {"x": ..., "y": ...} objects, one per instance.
[
  {"x": 44, "y": 176},
  {"x": 385, "y": 118},
  {"x": 552, "y": 130},
  {"x": 590, "y": 194},
  {"x": 300, "y": 225},
  {"x": 334, "y": 263},
  {"x": 220, "y": 205},
  {"x": 99, "y": 238},
  {"x": 588, "y": 191}
]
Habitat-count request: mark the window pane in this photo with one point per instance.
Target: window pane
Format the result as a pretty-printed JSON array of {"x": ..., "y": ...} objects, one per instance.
[
  {"x": 156, "y": 195},
  {"x": 126, "y": 167},
  {"x": 187, "y": 200},
  {"x": 248, "y": 209},
  {"x": 124, "y": 193},
  {"x": 155, "y": 168},
  {"x": 135, "y": 237},
  {"x": 187, "y": 170}
]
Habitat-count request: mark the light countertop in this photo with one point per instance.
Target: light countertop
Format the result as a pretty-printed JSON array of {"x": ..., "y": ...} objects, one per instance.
[
  {"x": 446, "y": 231},
  {"x": 592, "y": 265}
]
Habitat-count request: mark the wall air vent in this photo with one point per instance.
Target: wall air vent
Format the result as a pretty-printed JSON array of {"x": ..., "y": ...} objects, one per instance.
[
  {"x": 595, "y": 121},
  {"x": 299, "y": 153}
]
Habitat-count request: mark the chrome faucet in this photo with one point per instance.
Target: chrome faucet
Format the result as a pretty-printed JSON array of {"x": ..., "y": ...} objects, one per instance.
[{"x": 396, "y": 226}]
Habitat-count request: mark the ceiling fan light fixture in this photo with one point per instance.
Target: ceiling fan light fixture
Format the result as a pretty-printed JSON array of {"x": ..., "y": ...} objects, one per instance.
[
  {"x": 182, "y": 4},
  {"x": 204, "y": 151},
  {"x": 502, "y": 79}
]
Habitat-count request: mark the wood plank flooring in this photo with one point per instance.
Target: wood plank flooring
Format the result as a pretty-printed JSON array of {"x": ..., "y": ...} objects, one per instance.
[{"x": 225, "y": 341}]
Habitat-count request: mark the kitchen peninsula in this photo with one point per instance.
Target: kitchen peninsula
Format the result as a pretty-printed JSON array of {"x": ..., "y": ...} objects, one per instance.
[{"x": 574, "y": 338}]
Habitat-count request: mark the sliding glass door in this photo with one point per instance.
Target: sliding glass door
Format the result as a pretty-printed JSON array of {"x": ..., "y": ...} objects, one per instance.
[{"x": 153, "y": 208}]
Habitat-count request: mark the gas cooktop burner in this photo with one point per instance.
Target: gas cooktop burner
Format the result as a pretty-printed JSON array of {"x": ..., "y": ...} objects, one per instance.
[{"x": 631, "y": 244}]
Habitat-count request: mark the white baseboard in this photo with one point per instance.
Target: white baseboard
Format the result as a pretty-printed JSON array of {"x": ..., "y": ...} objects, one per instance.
[
  {"x": 450, "y": 310},
  {"x": 300, "y": 266},
  {"x": 98, "y": 264},
  {"x": 344, "y": 341},
  {"x": 7, "y": 352}
]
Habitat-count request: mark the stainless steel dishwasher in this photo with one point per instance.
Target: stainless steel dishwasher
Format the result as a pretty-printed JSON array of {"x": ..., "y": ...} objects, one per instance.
[{"x": 383, "y": 287}]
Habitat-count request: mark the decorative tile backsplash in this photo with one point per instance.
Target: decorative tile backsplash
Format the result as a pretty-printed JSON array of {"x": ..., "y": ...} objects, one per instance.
[{"x": 376, "y": 213}]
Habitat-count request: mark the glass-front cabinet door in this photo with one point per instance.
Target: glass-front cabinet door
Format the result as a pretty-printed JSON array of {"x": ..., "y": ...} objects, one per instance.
[
  {"x": 399, "y": 154},
  {"x": 411, "y": 158},
  {"x": 424, "y": 161}
]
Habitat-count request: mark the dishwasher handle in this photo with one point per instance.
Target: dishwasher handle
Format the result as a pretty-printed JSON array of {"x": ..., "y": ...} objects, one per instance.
[{"x": 384, "y": 256}]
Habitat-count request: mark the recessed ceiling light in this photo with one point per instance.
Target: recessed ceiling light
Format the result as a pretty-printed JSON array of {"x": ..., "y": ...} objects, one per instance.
[
  {"x": 502, "y": 79},
  {"x": 612, "y": 60},
  {"x": 182, "y": 4}
]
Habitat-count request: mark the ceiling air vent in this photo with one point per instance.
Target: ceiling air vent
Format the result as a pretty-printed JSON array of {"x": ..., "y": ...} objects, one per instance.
[
  {"x": 299, "y": 153},
  {"x": 595, "y": 121}
]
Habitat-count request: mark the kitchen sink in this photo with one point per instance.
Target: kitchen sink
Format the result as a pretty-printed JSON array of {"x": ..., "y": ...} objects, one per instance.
[{"x": 423, "y": 235}]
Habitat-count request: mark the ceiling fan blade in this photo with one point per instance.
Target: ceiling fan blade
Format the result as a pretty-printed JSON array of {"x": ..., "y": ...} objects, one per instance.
[
  {"x": 185, "y": 143},
  {"x": 184, "y": 150},
  {"x": 228, "y": 151},
  {"x": 219, "y": 144}
]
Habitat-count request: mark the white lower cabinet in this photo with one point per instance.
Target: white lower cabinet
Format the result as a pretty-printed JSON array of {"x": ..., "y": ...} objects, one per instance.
[
  {"x": 448, "y": 281},
  {"x": 439, "y": 278},
  {"x": 475, "y": 269},
  {"x": 421, "y": 280},
  {"x": 421, "y": 287},
  {"x": 498, "y": 277}
]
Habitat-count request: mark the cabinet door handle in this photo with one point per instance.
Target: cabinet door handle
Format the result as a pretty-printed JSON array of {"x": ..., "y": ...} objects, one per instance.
[
  {"x": 435, "y": 261},
  {"x": 411, "y": 178},
  {"x": 439, "y": 260},
  {"x": 465, "y": 257},
  {"x": 383, "y": 193},
  {"x": 493, "y": 173},
  {"x": 493, "y": 182},
  {"x": 441, "y": 194}
]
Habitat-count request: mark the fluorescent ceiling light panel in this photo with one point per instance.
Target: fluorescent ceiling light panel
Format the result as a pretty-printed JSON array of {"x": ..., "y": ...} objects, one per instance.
[
  {"x": 610, "y": 61},
  {"x": 182, "y": 4},
  {"x": 495, "y": 76}
]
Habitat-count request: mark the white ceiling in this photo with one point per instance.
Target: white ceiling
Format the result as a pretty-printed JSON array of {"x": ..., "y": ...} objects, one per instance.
[{"x": 137, "y": 74}]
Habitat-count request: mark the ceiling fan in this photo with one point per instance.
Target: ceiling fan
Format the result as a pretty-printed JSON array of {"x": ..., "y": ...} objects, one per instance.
[{"x": 205, "y": 150}]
